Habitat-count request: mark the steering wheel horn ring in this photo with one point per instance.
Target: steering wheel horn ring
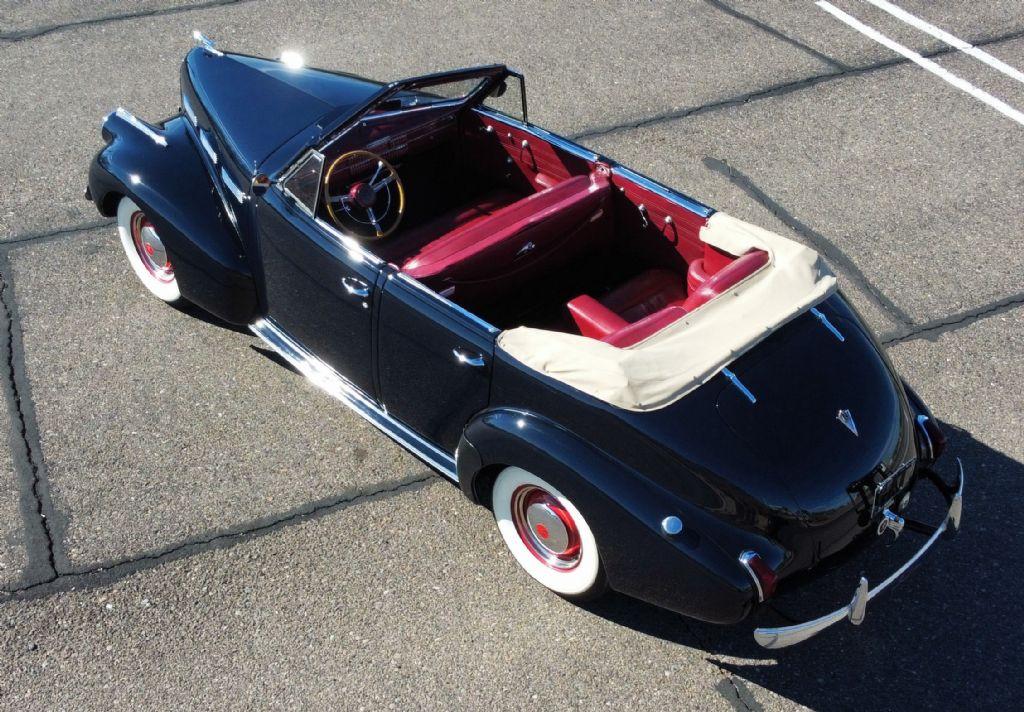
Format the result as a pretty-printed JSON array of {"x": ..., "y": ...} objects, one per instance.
[{"x": 367, "y": 206}]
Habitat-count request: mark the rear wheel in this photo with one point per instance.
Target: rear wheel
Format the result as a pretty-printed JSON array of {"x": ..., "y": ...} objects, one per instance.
[
  {"x": 146, "y": 252},
  {"x": 547, "y": 534}
]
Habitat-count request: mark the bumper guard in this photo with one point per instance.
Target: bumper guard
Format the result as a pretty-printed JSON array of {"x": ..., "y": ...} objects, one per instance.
[{"x": 856, "y": 609}]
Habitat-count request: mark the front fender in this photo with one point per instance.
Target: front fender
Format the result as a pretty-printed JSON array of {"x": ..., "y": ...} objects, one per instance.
[
  {"x": 689, "y": 573},
  {"x": 159, "y": 168}
]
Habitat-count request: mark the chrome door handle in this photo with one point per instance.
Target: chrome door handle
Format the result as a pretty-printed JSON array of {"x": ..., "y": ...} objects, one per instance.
[
  {"x": 467, "y": 358},
  {"x": 355, "y": 287}
]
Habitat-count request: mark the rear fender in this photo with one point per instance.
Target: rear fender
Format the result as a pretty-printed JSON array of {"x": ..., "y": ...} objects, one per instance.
[
  {"x": 688, "y": 573},
  {"x": 159, "y": 168}
]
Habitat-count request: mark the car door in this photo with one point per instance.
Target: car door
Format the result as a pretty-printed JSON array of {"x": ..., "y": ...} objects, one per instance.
[
  {"x": 434, "y": 360},
  {"x": 319, "y": 288}
]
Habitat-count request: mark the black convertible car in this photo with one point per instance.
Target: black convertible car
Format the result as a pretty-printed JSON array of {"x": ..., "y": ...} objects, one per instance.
[{"x": 650, "y": 395}]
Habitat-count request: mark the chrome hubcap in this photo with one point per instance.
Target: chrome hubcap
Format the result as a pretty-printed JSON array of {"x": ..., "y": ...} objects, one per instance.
[
  {"x": 546, "y": 528},
  {"x": 150, "y": 248}
]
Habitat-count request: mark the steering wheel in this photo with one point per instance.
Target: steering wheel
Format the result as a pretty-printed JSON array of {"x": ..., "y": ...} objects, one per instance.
[{"x": 364, "y": 194}]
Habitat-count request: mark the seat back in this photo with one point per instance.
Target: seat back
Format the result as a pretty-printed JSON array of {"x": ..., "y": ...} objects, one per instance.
[
  {"x": 726, "y": 278},
  {"x": 551, "y": 227}
]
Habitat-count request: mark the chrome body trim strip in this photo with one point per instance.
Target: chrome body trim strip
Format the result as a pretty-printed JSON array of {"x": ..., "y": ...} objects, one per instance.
[
  {"x": 334, "y": 384},
  {"x": 664, "y": 191},
  {"x": 204, "y": 140},
  {"x": 827, "y": 324},
  {"x": 745, "y": 558},
  {"x": 792, "y": 634},
  {"x": 186, "y": 106},
  {"x": 411, "y": 281},
  {"x": 921, "y": 420},
  {"x": 735, "y": 380},
  {"x": 237, "y": 192},
  {"x": 129, "y": 117}
]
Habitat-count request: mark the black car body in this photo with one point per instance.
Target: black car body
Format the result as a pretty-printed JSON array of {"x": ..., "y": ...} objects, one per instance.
[{"x": 700, "y": 506}]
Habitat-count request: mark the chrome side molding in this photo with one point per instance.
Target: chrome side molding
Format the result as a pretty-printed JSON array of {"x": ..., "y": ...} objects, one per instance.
[
  {"x": 735, "y": 380},
  {"x": 827, "y": 324},
  {"x": 856, "y": 610},
  {"x": 321, "y": 375}
]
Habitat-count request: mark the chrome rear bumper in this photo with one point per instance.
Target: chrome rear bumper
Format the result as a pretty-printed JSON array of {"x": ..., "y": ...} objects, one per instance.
[{"x": 857, "y": 608}]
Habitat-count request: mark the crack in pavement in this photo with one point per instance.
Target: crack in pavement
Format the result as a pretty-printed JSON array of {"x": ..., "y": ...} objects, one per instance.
[
  {"x": 777, "y": 34},
  {"x": 106, "y": 573},
  {"x": 936, "y": 327},
  {"x": 777, "y": 90},
  {"x": 734, "y": 692},
  {"x": 57, "y": 232},
  {"x": 26, "y": 455},
  {"x": 828, "y": 248},
  {"x": 40, "y": 30}
]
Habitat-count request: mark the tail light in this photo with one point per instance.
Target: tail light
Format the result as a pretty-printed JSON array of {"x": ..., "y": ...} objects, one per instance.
[
  {"x": 932, "y": 437},
  {"x": 765, "y": 580}
]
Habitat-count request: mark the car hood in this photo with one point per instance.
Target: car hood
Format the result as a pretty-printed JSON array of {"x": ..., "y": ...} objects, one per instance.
[{"x": 257, "y": 104}]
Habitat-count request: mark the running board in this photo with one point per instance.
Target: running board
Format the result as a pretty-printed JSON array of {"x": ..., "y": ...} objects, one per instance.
[{"x": 321, "y": 375}]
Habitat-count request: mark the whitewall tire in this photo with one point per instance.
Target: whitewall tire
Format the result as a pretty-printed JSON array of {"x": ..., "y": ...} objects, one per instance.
[
  {"x": 547, "y": 535},
  {"x": 146, "y": 252}
]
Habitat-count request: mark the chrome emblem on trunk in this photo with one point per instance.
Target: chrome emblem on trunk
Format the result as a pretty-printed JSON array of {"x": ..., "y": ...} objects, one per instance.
[{"x": 846, "y": 418}]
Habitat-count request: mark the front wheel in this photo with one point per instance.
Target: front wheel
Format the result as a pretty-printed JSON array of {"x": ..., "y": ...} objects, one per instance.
[
  {"x": 146, "y": 252},
  {"x": 547, "y": 535}
]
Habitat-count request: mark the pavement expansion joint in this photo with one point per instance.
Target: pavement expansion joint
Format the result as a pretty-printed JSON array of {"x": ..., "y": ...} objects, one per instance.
[
  {"x": 778, "y": 90},
  {"x": 40, "y": 30},
  {"x": 21, "y": 427},
  {"x": 106, "y": 573}
]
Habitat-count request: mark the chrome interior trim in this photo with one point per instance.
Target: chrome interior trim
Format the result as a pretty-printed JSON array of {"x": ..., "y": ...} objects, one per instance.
[
  {"x": 855, "y": 610},
  {"x": 664, "y": 191},
  {"x": 827, "y": 324},
  {"x": 735, "y": 380},
  {"x": 204, "y": 140},
  {"x": 562, "y": 143},
  {"x": 745, "y": 559},
  {"x": 128, "y": 116},
  {"x": 490, "y": 328},
  {"x": 334, "y": 384}
]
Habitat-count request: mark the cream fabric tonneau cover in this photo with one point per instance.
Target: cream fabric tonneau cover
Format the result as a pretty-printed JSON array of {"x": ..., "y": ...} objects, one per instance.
[{"x": 670, "y": 363}]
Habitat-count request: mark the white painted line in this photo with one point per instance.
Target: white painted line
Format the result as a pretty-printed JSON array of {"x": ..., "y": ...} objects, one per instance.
[
  {"x": 961, "y": 84},
  {"x": 949, "y": 39}
]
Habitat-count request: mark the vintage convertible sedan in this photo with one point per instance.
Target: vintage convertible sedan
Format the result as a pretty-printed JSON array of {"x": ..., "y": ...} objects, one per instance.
[{"x": 650, "y": 395}]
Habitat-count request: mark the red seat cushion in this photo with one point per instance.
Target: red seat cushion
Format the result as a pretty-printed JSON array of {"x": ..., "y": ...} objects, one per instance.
[
  {"x": 475, "y": 249},
  {"x": 645, "y": 294},
  {"x": 726, "y": 278}
]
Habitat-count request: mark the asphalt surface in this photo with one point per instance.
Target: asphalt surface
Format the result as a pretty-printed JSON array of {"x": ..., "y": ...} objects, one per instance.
[{"x": 186, "y": 523}]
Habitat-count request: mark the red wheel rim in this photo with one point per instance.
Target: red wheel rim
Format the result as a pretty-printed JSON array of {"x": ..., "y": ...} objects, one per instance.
[
  {"x": 150, "y": 248},
  {"x": 546, "y": 528}
]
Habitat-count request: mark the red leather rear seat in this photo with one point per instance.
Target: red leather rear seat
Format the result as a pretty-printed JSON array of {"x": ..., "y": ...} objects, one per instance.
[{"x": 652, "y": 300}]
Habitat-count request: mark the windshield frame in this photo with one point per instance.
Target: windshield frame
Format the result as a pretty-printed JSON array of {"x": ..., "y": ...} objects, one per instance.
[{"x": 490, "y": 76}]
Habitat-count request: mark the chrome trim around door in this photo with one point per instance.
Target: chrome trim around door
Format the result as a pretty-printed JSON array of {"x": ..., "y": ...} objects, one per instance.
[
  {"x": 855, "y": 610},
  {"x": 334, "y": 384},
  {"x": 554, "y": 139},
  {"x": 664, "y": 191}
]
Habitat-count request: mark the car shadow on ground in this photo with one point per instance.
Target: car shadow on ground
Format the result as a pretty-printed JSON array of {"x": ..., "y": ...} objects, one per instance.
[{"x": 947, "y": 636}]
